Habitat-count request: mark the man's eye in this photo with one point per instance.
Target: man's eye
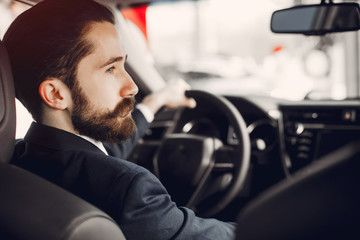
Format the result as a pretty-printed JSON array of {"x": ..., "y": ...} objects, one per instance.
[{"x": 110, "y": 70}]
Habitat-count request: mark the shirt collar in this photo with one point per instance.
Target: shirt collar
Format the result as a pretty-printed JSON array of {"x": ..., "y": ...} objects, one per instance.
[{"x": 96, "y": 143}]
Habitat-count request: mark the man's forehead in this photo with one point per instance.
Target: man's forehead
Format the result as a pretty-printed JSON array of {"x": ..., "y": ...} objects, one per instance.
[{"x": 105, "y": 40}]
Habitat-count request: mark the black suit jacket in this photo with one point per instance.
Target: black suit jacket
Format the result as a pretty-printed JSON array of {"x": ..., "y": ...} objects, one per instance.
[{"x": 130, "y": 194}]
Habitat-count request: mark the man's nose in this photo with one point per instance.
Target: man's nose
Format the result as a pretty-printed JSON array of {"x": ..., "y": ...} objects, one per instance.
[{"x": 129, "y": 88}]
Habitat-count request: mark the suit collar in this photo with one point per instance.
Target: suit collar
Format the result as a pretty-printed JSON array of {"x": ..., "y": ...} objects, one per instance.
[
  {"x": 96, "y": 143},
  {"x": 58, "y": 139}
]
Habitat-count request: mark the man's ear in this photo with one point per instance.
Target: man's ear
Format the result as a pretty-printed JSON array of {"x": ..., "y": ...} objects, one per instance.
[{"x": 55, "y": 93}]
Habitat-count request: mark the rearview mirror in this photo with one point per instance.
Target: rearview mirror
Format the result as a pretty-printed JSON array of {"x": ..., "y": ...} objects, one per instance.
[{"x": 317, "y": 19}]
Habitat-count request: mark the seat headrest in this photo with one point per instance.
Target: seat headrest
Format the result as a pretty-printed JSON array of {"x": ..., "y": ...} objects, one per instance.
[{"x": 7, "y": 107}]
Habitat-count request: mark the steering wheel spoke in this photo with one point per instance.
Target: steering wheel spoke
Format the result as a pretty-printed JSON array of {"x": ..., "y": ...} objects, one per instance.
[{"x": 225, "y": 159}]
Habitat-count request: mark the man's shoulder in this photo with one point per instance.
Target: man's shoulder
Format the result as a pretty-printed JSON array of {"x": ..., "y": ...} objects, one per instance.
[
  {"x": 112, "y": 163},
  {"x": 30, "y": 155}
]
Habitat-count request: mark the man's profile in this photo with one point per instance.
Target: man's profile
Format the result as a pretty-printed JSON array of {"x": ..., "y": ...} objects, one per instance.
[{"x": 69, "y": 71}]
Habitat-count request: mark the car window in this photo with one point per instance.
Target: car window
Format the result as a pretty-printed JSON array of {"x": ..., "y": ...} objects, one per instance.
[{"x": 226, "y": 46}]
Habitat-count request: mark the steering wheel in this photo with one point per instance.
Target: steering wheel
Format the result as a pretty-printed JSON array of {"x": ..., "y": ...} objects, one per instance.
[{"x": 198, "y": 167}]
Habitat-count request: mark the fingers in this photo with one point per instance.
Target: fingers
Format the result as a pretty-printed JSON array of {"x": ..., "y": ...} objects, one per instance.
[
  {"x": 176, "y": 94},
  {"x": 191, "y": 103}
]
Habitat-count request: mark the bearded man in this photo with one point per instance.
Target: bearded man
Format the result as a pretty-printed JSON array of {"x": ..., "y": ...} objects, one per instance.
[{"x": 69, "y": 71}]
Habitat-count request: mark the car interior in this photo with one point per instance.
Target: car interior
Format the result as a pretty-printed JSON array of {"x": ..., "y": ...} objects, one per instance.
[{"x": 281, "y": 169}]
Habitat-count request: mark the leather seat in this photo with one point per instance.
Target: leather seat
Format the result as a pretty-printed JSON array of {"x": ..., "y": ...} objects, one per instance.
[
  {"x": 31, "y": 207},
  {"x": 321, "y": 201}
]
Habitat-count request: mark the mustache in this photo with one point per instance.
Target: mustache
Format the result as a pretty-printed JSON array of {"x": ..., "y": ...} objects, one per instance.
[{"x": 123, "y": 108}]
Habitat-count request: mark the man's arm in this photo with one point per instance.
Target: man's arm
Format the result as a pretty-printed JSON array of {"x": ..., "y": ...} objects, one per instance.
[{"x": 147, "y": 211}]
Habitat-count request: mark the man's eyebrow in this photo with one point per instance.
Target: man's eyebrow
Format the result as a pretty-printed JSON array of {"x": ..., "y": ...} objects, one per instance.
[{"x": 113, "y": 60}]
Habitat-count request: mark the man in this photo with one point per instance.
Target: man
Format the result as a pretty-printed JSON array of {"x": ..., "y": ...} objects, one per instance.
[{"x": 68, "y": 65}]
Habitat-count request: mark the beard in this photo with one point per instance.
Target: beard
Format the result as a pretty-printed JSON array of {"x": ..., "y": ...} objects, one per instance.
[{"x": 105, "y": 126}]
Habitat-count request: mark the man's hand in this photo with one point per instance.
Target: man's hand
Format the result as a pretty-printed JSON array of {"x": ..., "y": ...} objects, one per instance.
[{"x": 172, "y": 96}]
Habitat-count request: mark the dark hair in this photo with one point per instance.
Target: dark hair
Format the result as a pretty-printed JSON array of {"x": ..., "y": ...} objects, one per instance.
[{"x": 47, "y": 41}]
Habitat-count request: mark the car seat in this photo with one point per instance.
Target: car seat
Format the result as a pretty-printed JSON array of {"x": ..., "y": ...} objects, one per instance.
[
  {"x": 321, "y": 201},
  {"x": 31, "y": 207}
]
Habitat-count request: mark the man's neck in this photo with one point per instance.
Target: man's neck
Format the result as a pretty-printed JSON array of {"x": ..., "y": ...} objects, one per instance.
[
  {"x": 58, "y": 119},
  {"x": 66, "y": 128},
  {"x": 61, "y": 119}
]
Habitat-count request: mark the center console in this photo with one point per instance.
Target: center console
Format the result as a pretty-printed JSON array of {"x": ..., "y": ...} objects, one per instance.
[{"x": 310, "y": 130}]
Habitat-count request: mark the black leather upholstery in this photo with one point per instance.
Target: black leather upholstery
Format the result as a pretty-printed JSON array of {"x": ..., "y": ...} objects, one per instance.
[
  {"x": 322, "y": 201},
  {"x": 7, "y": 108},
  {"x": 30, "y": 207}
]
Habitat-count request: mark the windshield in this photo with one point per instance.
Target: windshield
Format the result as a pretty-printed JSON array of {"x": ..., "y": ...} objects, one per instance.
[{"x": 226, "y": 46}]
